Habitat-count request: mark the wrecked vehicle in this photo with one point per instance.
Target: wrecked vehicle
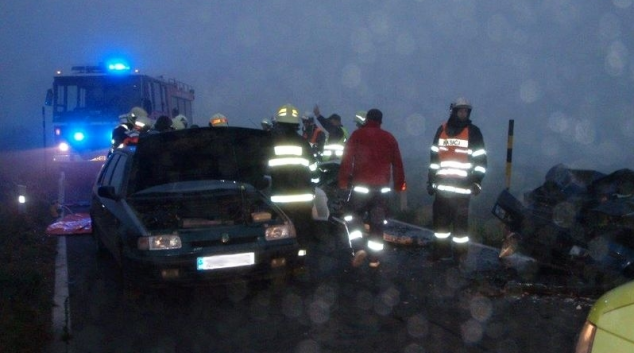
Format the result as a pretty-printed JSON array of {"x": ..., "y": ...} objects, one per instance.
[
  {"x": 575, "y": 218},
  {"x": 187, "y": 206}
]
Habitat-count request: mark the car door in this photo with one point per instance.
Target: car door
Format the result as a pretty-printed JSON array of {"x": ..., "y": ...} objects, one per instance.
[{"x": 107, "y": 210}]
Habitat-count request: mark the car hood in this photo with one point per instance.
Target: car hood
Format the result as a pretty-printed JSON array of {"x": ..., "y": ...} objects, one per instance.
[{"x": 199, "y": 154}]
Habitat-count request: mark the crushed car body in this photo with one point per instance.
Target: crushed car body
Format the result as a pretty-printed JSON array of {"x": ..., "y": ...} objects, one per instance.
[
  {"x": 574, "y": 219},
  {"x": 187, "y": 206}
]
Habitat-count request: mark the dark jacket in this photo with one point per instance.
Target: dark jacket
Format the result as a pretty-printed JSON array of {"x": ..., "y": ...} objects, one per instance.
[
  {"x": 371, "y": 158},
  {"x": 120, "y": 133},
  {"x": 293, "y": 178},
  {"x": 335, "y": 133}
]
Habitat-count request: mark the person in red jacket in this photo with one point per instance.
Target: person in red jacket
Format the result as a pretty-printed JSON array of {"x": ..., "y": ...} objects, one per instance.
[{"x": 371, "y": 159}]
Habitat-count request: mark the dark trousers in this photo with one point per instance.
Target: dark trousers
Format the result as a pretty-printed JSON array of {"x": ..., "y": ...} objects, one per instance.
[
  {"x": 450, "y": 215},
  {"x": 371, "y": 209},
  {"x": 302, "y": 216}
]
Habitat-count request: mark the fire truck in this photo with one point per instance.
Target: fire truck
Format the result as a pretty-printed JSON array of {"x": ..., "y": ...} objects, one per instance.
[{"x": 87, "y": 104}]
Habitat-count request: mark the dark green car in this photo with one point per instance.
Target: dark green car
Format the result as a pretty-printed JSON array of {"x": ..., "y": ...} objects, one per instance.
[{"x": 187, "y": 206}]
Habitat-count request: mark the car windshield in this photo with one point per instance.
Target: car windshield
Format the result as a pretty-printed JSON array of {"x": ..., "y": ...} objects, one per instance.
[{"x": 202, "y": 154}]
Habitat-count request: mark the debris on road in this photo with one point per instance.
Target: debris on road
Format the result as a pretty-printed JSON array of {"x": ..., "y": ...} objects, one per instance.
[{"x": 574, "y": 219}]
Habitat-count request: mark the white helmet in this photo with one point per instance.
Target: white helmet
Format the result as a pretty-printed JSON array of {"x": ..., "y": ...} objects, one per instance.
[
  {"x": 359, "y": 117},
  {"x": 287, "y": 114},
  {"x": 460, "y": 103},
  {"x": 180, "y": 122},
  {"x": 218, "y": 120},
  {"x": 142, "y": 123},
  {"x": 138, "y": 112}
]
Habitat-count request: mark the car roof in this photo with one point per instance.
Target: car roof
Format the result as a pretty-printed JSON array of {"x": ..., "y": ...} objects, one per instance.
[{"x": 228, "y": 153}]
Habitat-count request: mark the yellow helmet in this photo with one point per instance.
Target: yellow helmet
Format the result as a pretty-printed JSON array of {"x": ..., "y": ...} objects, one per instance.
[
  {"x": 287, "y": 114},
  {"x": 218, "y": 120}
]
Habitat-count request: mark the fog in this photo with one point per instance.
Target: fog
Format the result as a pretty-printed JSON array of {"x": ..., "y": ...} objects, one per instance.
[{"x": 562, "y": 69}]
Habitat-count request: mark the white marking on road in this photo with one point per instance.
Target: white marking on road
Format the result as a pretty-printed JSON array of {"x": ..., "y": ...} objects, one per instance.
[{"x": 61, "y": 304}]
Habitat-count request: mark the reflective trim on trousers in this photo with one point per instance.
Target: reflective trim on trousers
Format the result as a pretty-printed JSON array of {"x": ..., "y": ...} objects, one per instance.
[
  {"x": 460, "y": 240},
  {"x": 442, "y": 235},
  {"x": 355, "y": 234},
  {"x": 375, "y": 245},
  {"x": 292, "y": 198}
]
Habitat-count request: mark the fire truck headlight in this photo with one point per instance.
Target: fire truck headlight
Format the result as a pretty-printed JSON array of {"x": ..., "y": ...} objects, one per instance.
[
  {"x": 63, "y": 147},
  {"x": 79, "y": 136}
]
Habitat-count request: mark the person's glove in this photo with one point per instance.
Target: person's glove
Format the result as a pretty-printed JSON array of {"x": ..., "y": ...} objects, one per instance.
[
  {"x": 431, "y": 189},
  {"x": 475, "y": 189}
]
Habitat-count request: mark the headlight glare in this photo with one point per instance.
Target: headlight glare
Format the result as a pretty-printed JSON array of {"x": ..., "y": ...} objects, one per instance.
[
  {"x": 282, "y": 231},
  {"x": 159, "y": 242}
]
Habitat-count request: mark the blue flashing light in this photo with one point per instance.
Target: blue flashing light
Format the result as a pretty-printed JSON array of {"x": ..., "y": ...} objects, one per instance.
[
  {"x": 79, "y": 136},
  {"x": 118, "y": 66}
]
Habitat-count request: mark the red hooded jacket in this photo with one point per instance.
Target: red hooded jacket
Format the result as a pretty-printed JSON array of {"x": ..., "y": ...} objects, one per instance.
[{"x": 371, "y": 158}]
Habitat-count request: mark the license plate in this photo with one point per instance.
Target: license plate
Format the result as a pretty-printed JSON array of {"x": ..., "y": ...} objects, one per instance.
[{"x": 225, "y": 261}]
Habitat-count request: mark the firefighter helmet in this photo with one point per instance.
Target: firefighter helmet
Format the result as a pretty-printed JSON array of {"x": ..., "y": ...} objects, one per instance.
[
  {"x": 461, "y": 103},
  {"x": 308, "y": 117},
  {"x": 138, "y": 112},
  {"x": 179, "y": 122},
  {"x": 359, "y": 118},
  {"x": 218, "y": 120},
  {"x": 142, "y": 123},
  {"x": 266, "y": 125},
  {"x": 287, "y": 114}
]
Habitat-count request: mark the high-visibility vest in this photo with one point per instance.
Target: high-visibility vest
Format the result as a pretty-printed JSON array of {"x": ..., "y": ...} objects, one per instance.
[{"x": 454, "y": 167}]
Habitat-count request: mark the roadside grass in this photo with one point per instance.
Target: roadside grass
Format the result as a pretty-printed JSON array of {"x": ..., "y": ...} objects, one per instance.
[{"x": 27, "y": 268}]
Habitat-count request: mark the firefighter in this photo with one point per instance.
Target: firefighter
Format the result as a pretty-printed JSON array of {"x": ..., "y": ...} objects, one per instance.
[
  {"x": 266, "y": 125},
  {"x": 290, "y": 166},
  {"x": 337, "y": 135},
  {"x": 180, "y": 122},
  {"x": 128, "y": 126},
  {"x": 218, "y": 120},
  {"x": 359, "y": 118},
  {"x": 162, "y": 124},
  {"x": 371, "y": 159},
  {"x": 458, "y": 162},
  {"x": 312, "y": 133}
]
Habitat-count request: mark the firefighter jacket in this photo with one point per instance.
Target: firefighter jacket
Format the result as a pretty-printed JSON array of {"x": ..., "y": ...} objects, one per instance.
[
  {"x": 291, "y": 165},
  {"x": 371, "y": 158},
  {"x": 121, "y": 133},
  {"x": 337, "y": 136},
  {"x": 316, "y": 137},
  {"x": 458, "y": 159}
]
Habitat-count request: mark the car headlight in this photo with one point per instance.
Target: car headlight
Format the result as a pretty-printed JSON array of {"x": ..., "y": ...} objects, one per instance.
[
  {"x": 159, "y": 242},
  {"x": 586, "y": 338},
  {"x": 282, "y": 231}
]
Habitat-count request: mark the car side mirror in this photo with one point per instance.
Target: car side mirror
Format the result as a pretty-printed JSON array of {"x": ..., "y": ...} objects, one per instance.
[{"x": 107, "y": 192}]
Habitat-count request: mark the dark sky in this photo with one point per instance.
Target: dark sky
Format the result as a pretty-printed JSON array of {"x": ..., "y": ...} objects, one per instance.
[{"x": 563, "y": 69}]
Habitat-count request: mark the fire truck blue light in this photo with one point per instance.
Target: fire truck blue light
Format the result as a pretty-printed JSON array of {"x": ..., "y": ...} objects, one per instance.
[
  {"x": 117, "y": 66},
  {"x": 79, "y": 136}
]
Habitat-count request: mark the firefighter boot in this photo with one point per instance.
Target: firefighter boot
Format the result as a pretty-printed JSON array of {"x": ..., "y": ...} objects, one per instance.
[
  {"x": 460, "y": 253},
  {"x": 442, "y": 250}
]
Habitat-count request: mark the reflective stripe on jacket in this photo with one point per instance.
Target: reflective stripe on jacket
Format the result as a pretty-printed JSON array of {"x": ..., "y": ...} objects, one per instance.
[{"x": 456, "y": 162}]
